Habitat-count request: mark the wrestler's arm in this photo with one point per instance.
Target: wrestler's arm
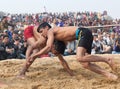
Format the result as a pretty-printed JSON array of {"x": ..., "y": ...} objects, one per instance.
[
  {"x": 38, "y": 43},
  {"x": 64, "y": 64},
  {"x": 40, "y": 39},
  {"x": 48, "y": 46}
]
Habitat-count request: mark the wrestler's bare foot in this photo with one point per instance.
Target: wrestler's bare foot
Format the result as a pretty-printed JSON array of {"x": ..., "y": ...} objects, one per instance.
[
  {"x": 111, "y": 64},
  {"x": 111, "y": 76},
  {"x": 22, "y": 73},
  {"x": 21, "y": 76}
]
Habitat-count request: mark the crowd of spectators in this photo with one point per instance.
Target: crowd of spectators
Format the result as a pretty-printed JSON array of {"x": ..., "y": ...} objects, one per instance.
[{"x": 13, "y": 45}]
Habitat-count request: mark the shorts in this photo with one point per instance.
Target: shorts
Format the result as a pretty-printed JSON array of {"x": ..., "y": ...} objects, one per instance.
[
  {"x": 85, "y": 39},
  {"x": 28, "y": 32}
]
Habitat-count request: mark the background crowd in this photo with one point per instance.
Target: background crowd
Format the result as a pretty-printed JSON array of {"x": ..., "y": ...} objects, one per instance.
[{"x": 13, "y": 45}]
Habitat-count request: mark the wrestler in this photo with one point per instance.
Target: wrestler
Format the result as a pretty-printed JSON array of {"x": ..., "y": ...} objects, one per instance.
[
  {"x": 31, "y": 35},
  {"x": 36, "y": 42},
  {"x": 84, "y": 37}
]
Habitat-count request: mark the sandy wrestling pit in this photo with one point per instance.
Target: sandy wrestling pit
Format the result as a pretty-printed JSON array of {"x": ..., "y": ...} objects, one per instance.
[{"x": 48, "y": 73}]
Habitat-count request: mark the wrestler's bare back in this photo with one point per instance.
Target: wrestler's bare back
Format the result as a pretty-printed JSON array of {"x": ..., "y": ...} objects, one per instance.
[
  {"x": 60, "y": 33},
  {"x": 65, "y": 33}
]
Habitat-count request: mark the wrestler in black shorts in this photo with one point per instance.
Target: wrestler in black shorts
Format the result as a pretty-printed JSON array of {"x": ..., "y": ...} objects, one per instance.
[{"x": 85, "y": 39}]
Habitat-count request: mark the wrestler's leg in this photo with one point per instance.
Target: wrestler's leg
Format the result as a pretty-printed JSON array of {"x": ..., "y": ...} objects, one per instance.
[
  {"x": 65, "y": 64},
  {"x": 30, "y": 42},
  {"x": 29, "y": 51},
  {"x": 94, "y": 58},
  {"x": 93, "y": 67}
]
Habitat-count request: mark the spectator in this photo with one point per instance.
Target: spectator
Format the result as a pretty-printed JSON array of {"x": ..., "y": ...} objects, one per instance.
[
  {"x": 19, "y": 49},
  {"x": 70, "y": 50},
  {"x": 13, "y": 25},
  {"x": 60, "y": 23},
  {"x": 14, "y": 35},
  {"x": 116, "y": 49},
  {"x": 4, "y": 24},
  {"x": 96, "y": 46},
  {"x": 53, "y": 24},
  {"x": 7, "y": 48}
]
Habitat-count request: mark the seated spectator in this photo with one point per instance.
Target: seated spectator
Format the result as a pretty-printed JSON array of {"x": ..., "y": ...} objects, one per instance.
[
  {"x": 70, "y": 50},
  {"x": 105, "y": 47},
  {"x": 111, "y": 39},
  {"x": 2, "y": 50},
  {"x": 96, "y": 45},
  {"x": 54, "y": 21},
  {"x": 19, "y": 48},
  {"x": 60, "y": 23},
  {"x": 5, "y": 32},
  {"x": 116, "y": 49},
  {"x": 7, "y": 50},
  {"x": 14, "y": 35},
  {"x": 0, "y": 38}
]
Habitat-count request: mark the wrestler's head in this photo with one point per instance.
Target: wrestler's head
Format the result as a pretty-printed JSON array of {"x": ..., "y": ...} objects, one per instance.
[
  {"x": 58, "y": 47},
  {"x": 43, "y": 28}
]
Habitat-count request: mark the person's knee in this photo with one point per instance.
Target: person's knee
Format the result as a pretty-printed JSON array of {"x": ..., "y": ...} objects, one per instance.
[
  {"x": 80, "y": 59},
  {"x": 84, "y": 64}
]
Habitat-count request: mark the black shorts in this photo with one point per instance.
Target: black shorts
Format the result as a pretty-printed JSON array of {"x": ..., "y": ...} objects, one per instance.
[{"x": 85, "y": 39}]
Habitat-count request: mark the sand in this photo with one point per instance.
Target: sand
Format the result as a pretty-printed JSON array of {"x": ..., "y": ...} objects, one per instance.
[{"x": 47, "y": 73}]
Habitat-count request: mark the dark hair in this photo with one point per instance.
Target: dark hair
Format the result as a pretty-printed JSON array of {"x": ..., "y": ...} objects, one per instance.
[
  {"x": 17, "y": 39},
  {"x": 5, "y": 36},
  {"x": 4, "y": 17},
  {"x": 15, "y": 31},
  {"x": 43, "y": 25},
  {"x": 59, "y": 46},
  {"x": 118, "y": 39}
]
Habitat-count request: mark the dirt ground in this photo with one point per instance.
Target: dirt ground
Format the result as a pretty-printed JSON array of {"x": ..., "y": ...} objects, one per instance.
[{"x": 47, "y": 73}]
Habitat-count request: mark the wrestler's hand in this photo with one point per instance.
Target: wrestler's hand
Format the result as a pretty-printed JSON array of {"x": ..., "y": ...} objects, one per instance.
[{"x": 32, "y": 58}]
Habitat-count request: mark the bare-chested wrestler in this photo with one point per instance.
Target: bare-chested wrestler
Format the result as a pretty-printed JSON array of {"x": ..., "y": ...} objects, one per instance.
[
  {"x": 36, "y": 42},
  {"x": 84, "y": 37}
]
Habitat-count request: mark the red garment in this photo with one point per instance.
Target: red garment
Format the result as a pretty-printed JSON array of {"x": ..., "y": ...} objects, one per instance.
[
  {"x": 44, "y": 55},
  {"x": 28, "y": 32}
]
